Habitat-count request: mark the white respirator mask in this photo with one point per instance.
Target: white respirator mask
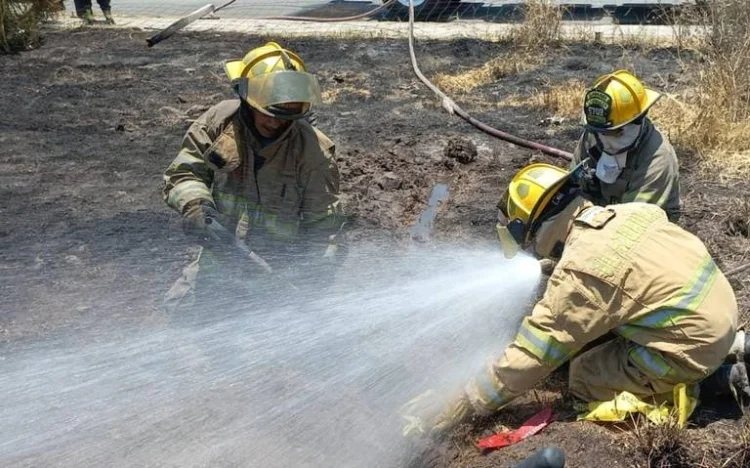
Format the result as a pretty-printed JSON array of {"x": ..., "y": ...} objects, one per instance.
[{"x": 615, "y": 148}]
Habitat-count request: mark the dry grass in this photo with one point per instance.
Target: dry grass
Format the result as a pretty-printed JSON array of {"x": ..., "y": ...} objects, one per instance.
[
  {"x": 725, "y": 445},
  {"x": 710, "y": 120},
  {"x": 332, "y": 94},
  {"x": 541, "y": 27},
  {"x": 562, "y": 100},
  {"x": 717, "y": 127},
  {"x": 692, "y": 123},
  {"x": 507, "y": 64},
  {"x": 19, "y": 22}
]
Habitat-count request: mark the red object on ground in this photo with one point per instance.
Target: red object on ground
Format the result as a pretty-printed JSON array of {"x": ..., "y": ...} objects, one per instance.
[{"x": 502, "y": 439}]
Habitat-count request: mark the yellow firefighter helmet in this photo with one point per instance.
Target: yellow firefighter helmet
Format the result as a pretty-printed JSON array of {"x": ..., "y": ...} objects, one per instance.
[
  {"x": 529, "y": 195},
  {"x": 615, "y": 100},
  {"x": 274, "y": 81}
]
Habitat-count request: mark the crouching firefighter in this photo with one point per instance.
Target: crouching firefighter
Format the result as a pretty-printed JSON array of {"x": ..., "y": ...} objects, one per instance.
[
  {"x": 647, "y": 291},
  {"x": 254, "y": 167},
  {"x": 626, "y": 157}
]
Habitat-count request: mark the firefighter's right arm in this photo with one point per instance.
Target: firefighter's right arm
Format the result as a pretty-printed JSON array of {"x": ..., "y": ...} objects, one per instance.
[
  {"x": 189, "y": 179},
  {"x": 567, "y": 318}
]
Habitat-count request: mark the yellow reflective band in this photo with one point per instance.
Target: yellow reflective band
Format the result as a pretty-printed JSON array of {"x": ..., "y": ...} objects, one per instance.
[
  {"x": 693, "y": 294},
  {"x": 546, "y": 348},
  {"x": 660, "y": 318},
  {"x": 186, "y": 191},
  {"x": 682, "y": 305},
  {"x": 649, "y": 361},
  {"x": 492, "y": 396}
]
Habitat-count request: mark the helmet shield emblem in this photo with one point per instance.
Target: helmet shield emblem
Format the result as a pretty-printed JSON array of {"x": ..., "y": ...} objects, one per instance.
[{"x": 598, "y": 107}]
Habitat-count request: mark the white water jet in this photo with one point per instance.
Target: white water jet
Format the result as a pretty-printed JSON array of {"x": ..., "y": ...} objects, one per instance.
[{"x": 314, "y": 380}]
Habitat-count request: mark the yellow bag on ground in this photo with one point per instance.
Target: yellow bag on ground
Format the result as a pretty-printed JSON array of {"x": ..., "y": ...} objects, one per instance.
[{"x": 625, "y": 403}]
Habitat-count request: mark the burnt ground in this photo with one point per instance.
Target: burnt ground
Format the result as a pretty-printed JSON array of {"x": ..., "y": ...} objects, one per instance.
[{"x": 90, "y": 120}]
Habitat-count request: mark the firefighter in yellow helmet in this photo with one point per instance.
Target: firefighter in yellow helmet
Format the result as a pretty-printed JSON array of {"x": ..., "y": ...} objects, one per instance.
[
  {"x": 635, "y": 302},
  {"x": 629, "y": 159},
  {"x": 255, "y": 166}
]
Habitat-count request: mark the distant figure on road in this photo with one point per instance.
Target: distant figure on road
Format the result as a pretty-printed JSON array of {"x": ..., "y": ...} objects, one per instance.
[
  {"x": 631, "y": 160},
  {"x": 84, "y": 11},
  {"x": 256, "y": 166}
]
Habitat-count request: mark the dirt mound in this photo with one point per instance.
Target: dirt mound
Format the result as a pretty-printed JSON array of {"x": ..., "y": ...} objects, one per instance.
[{"x": 461, "y": 150}]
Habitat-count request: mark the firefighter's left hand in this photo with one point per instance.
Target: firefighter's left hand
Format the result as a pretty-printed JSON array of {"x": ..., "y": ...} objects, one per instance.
[{"x": 428, "y": 415}]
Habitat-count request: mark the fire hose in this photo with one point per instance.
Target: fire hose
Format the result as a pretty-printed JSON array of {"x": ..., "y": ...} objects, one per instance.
[{"x": 452, "y": 108}]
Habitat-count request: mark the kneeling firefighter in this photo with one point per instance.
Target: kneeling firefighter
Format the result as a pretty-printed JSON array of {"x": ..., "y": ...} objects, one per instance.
[
  {"x": 256, "y": 167},
  {"x": 646, "y": 290}
]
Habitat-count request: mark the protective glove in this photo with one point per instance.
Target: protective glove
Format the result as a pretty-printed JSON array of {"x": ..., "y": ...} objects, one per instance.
[
  {"x": 457, "y": 411},
  {"x": 331, "y": 250},
  {"x": 427, "y": 415},
  {"x": 547, "y": 265},
  {"x": 194, "y": 217}
]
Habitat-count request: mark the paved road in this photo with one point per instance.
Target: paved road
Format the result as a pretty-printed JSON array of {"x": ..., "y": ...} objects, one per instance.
[{"x": 254, "y": 8}]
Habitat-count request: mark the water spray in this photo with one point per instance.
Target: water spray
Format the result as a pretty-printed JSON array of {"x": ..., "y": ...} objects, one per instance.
[{"x": 308, "y": 378}]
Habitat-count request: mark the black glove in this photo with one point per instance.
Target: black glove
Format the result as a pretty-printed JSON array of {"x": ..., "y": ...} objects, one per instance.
[{"x": 194, "y": 217}]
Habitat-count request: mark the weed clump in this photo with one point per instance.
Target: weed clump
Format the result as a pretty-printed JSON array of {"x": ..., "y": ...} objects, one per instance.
[
  {"x": 20, "y": 20},
  {"x": 541, "y": 25},
  {"x": 662, "y": 445}
]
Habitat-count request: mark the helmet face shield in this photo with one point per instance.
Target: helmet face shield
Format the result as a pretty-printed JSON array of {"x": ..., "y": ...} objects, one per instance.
[
  {"x": 275, "y": 93},
  {"x": 511, "y": 237}
]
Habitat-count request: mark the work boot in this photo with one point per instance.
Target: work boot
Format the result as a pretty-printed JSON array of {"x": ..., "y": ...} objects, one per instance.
[
  {"x": 87, "y": 16},
  {"x": 108, "y": 16},
  {"x": 729, "y": 379}
]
